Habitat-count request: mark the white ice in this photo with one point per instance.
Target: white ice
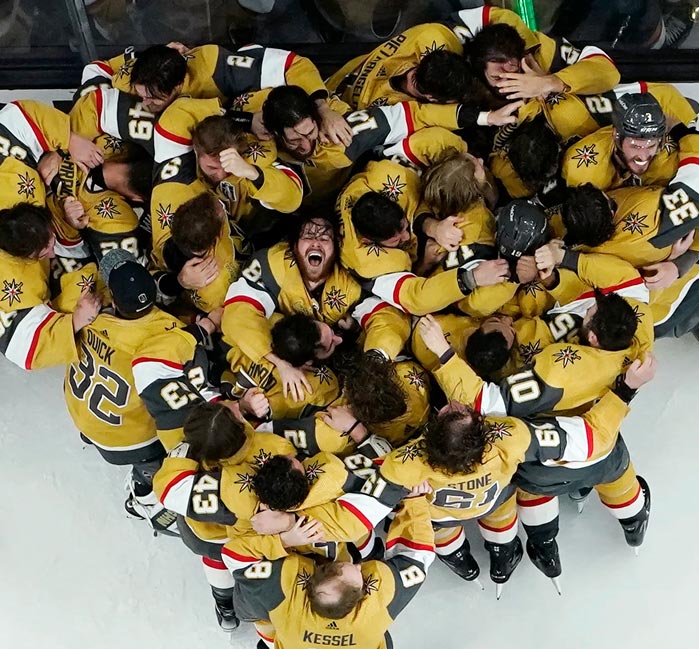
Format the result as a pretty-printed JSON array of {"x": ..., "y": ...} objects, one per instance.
[{"x": 76, "y": 572}]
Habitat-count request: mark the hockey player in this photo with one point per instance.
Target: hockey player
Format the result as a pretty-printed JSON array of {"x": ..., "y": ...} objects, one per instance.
[
  {"x": 138, "y": 374},
  {"x": 301, "y": 276},
  {"x": 625, "y": 495},
  {"x": 39, "y": 318},
  {"x": 469, "y": 461},
  {"x": 338, "y": 603},
  {"x": 634, "y": 151},
  {"x": 93, "y": 211},
  {"x": 518, "y": 63},
  {"x": 289, "y": 114},
  {"x": 424, "y": 63},
  {"x": 161, "y": 73}
]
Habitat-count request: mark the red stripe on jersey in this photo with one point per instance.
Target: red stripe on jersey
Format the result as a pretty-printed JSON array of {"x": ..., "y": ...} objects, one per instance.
[
  {"x": 238, "y": 557},
  {"x": 611, "y": 289},
  {"x": 363, "y": 545},
  {"x": 397, "y": 287},
  {"x": 409, "y": 153},
  {"x": 353, "y": 510},
  {"x": 643, "y": 85},
  {"x": 409, "y": 544},
  {"x": 171, "y": 136},
  {"x": 590, "y": 439},
  {"x": 175, "y": 481},
  {"x": 146, "y": 359},
  {"x": 478, "y": 403},
  {"x": 408, "y": 117},
  {"x": 37, "y": 131},
  {"x": 35, "y": 340},
  {"x": 212, "y": 563},
  {"x": 99, "y": 103},
  {"x": 292, "y": 174},
  {"x": 289, "y": 61},
  {"x": 249, "y": 300},
  {"x": 628, "y": 502},
  {"x": 536, "y": 502},
  {"x": 498, "y": 529},
  {"x": 689, "y": 161},
  {"x": 68, "y": 242},
  {"x": 104, "y": 67},
  {"x": 378, "y": 307},
  {"x": 264, "y": 637},
  {"x": 378, "y": 461},
  {"x": 486, "y": 15},
  {"x": 594, "y": 54}
]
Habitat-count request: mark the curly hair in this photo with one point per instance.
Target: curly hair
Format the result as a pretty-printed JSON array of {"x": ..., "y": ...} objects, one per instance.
[
  {"x": 373, "y": 390},
  {"x": 455, "y": 442},
  {"x": 279, "y": 486}
]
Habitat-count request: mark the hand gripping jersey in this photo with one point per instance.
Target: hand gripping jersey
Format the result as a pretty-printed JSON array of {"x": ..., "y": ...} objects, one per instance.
[
  {"x": 461, "y": 497},
  {"x": 215, "y": 72},
  {"x": 583, "y": 71},
  {"x": 272, "y": 282},
  {"x": 329, "y": 165},
  {"x": 371, "y": 80},
  {"x": 276, "y": 590},
  {"x": 112, "y": 221},
  {"x": 456, "y": 328},
  {"x": 135, "y": 381},
  {"x": 198, "y": 492},
  {"x": 247, "y": 373}
]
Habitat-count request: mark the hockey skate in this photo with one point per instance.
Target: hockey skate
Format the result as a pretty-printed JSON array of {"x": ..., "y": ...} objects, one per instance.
[
  {"x": 223, "y": 607},
  {"x": 636, "y": 526},
  {"x": 504, "y": 558},
  {"x": 463, "y": 563},
  {"x": 544, "y": 555},
  {"x": 147, "y": 507}
]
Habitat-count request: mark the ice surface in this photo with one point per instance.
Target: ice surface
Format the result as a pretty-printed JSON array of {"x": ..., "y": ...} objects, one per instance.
[{"x": 76, "y": 572}]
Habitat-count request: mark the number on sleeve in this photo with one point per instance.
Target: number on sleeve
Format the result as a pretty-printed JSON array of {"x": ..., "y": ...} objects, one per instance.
[
  {"x": 297, "y": 438},
  {"x": 205, "y": 495},
  {"x": 547, "y": 435},
  {"x": 239, "y": 61},
  {"x": 412, "y": 576},
  {"x": 598, "y": 105},
  {"x": 680, "y": 207},
  {"x": 361, "y": 121},
  {"x": 261, "y": 570},
  {"x": 253, "y": 271},
  {"x": 524, "y": 387}
]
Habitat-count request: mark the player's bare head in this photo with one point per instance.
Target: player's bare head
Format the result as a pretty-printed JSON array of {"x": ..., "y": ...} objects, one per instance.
[
  {"x": 281, "y": 483},
  {"x": 535, "y": 153},
  {"x": 314, "y": 243},
  {"x": 130, "y": 174},
  {"x": 335, "y": 589},
  {"x": 454, "y": 183},
  {"x": 378, "y": 219},
  {"x": 215, "y": 133},
  {"x": 488, "y": 348},
  {"x": 443, "y": 77},
  {"x": 211, "y": 136},
  {"x": 609, "y": 324},
  {"x": 291, "y": 116},
  {"x": 455, "y": 439},
  {"x": 299, "y": 339},
  {"x": 588, "y": 216},
  {"x": 197, "y": 224},
  {"x": 157, "y": 76},
  {"x": 373, "y": 390},
  {"x": 495, "y": 50},
  {"x": 213, "y": 433},
  {"x": 25, "y": 231}
]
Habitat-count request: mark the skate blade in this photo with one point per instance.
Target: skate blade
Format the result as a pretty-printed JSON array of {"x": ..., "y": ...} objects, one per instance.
[
  {"x": 637, "y": 551},
  {"x": 557, "y": 584},
  {"x": 478, "y": 583},
  {"x": 581, "y": 505},
  {"x": 498, "y": 591}
]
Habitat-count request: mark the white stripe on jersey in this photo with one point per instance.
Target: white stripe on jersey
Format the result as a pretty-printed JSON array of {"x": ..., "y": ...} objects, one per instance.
[
  {"x": 13, "y": 119},
  {"x": 490, "y": 401},
  {"x": 536, "y": 512},
  {"x": 472, "y": 20},
  {"x": 165, "y": 148},
  {"x": 177, "y": 493},
  {"x": 406, "y": 548},
  {"x": 236, "y": 561},
  {"x": 366, "y": 508},
  {"x": 578, "y": 448},
  {"x": 366, "y": 308},
  {"x": 241, "y": 291},
  {"x": 589, "y": 51},
  {"x": 26, "y": 335},
  {"x": 148, "y": 370},
  {"x": 108, "y": 117},
  {"x": 626, "y": 88},
  {"x": 387, "y": 287},
  {"x": 94, "y": 70},
  {"x": 273, "y": 70},
  {"x": 78, "y": 250},
  {"x": 398, "y": 122}
]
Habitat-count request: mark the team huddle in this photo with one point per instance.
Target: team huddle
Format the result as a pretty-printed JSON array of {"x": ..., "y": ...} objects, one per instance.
[{"x": 326, "y": 323}]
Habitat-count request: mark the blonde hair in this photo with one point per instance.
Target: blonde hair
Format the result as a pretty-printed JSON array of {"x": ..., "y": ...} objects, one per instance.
[{"x": 450, "y": 185}]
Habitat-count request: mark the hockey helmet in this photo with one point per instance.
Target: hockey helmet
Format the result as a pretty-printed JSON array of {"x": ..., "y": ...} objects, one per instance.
[
  {"x": 521, "y": 229},
  {"x": 639, "y": 115}
]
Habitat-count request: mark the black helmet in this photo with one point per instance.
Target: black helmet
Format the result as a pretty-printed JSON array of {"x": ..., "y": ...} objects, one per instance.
[
  {"x": 639, "y": 115},
  {"x": 521, "y": 229}
]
